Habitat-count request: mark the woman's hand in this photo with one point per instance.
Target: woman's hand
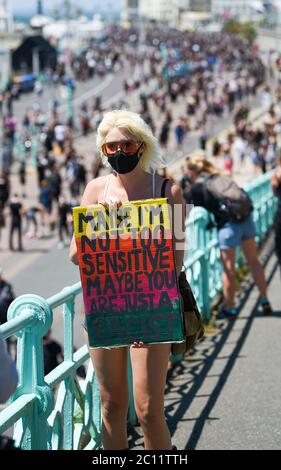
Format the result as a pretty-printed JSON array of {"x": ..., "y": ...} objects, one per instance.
[
  {"x": 113, "y": 203},
  {"x": 139, "y": 345}
]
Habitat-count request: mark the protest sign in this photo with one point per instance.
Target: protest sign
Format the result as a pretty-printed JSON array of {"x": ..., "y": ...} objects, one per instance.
[{"x": 128, "y": 273}]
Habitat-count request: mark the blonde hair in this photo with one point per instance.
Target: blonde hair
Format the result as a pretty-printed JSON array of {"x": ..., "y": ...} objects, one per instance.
[
  {"x": 200, "y": 165},
  {"x": 151, "y": 158}
]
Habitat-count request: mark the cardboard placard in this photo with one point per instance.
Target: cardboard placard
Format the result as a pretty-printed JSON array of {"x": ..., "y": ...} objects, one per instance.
[{"x": 128, "y": 273}]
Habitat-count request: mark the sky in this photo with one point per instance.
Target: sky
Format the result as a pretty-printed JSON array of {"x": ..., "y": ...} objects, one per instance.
[{"x": 89, "y": 5}]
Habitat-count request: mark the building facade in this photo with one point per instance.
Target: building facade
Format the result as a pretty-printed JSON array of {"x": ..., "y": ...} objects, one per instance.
[
  {"x": 130, "y": 11},
  {"x": 169, "y": 10},
  {"x": 200, "y": 5},
  {"x": 241, "y": 9},
  {"x": 6, "y": 16},
  {"x": 158, "y": 10}
]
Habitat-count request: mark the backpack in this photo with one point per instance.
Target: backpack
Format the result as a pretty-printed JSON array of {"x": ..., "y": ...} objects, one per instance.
[{"x": 233, "y": 203}]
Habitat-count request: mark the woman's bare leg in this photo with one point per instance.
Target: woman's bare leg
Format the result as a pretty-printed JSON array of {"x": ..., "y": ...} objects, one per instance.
[
  {"x": 251, "y": 254},
  {"x": 228, "y": 277},
  {"x": 149, "y": 366},
  {"x": 111, "y": 369}
]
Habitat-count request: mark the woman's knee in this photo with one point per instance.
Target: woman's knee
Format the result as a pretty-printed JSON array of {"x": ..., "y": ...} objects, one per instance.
[
  {"x": 149, "y": 411},
  {"x": 254, "y": 264},
  {"x": 113, "y": 408}
]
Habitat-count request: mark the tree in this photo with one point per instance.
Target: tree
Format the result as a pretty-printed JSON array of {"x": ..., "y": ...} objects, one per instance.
[{"x": 247, "y": 29}]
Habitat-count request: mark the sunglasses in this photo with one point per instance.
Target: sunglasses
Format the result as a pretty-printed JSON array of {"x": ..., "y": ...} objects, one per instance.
[{"x": 127, "y": 146}]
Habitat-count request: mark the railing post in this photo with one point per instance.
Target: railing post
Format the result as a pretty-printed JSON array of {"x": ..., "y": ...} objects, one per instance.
[
  {"x": 31, "y": 432},
  {"x": 203, "y": 246},
  {"x": 68, "y": 314}
]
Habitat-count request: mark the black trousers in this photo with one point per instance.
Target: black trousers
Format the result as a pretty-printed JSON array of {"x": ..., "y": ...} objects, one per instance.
[{"x": 15, "y": 228}]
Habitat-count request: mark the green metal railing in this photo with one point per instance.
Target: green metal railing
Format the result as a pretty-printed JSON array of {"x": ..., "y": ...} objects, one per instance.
[
  {"x": 59, "y": 411},
  {"x": 56, "y": 411}
]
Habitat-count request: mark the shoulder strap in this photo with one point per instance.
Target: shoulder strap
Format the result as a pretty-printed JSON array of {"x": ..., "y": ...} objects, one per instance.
[
  {"x": 163, "y": 189},
  {"x": 106, "y": 188}
]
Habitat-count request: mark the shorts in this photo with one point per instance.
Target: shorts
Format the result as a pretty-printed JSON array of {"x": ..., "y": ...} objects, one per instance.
[{"x": 232, "y": 234}]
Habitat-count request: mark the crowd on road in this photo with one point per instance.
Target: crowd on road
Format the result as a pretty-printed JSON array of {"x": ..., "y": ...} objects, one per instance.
[{"x": 180, "y": 81}]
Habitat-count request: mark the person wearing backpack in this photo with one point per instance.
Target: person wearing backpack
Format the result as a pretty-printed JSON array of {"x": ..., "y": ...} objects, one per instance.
[{"x": 232, "y": 208}]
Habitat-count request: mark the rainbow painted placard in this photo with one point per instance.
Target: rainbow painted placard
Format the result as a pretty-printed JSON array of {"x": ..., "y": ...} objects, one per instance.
[{"x": 128, "y": 273}]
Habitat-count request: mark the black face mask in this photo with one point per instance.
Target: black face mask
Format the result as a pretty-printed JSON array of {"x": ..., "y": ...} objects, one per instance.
[{"x": 123, "y": 163}]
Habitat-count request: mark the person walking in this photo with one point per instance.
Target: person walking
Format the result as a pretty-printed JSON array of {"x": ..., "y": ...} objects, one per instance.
[
  {"x": 234, "y": 229},
  {"x": 127, "y": 144},
  {"x": 64, "y": 210},
  {"x": 16, "y": 211}
]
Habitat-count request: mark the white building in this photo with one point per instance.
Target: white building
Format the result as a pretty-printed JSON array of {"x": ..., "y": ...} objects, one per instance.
[
  {"x": 170, "y": 10},
  {"x": 6, "y": 16},
  {"x": 241, "y": 9},
  {"x": 80, "y": 28},
  {"x": 130, "y": 11},
  {"x": 158, "y": 10},
  {"x": 200, "y": 5}
]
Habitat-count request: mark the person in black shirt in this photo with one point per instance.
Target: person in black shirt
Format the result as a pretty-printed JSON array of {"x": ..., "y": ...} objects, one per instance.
[
  {"x": 4, "y": 190},
  {"x": 16, "y": 222},
  {"x": 55, "y": 182},
  {"x": 53, "y": 354},
  {"x": 63, "y": 210}
]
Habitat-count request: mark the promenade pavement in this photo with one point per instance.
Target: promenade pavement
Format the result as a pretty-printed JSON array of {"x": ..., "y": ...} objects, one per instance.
[{"x": 226, "y": 395}]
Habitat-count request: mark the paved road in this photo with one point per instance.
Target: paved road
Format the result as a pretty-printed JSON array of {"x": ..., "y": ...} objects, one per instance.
[{"x": 108, "y": 88}]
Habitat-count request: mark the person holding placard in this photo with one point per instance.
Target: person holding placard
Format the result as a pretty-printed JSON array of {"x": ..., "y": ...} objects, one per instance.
[{"x": 127, "y": 144}]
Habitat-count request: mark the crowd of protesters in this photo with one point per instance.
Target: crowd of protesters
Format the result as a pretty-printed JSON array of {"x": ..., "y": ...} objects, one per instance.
[
  {"x": 181, "y": 81},
  {"x": 258, "y": 143}
]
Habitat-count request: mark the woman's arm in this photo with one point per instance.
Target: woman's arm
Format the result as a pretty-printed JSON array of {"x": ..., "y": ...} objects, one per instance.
[
  {"x": 178, "y": 223},
  {"x": 89, "y": 197}
]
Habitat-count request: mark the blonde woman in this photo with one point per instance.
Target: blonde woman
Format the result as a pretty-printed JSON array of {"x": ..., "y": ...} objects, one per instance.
[
  {"x": 231, "y": 233},
  {"x": 127, "y": 144}
]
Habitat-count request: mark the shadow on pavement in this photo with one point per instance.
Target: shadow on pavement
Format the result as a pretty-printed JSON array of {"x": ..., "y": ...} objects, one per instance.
[{"x": 184, "y": 379}]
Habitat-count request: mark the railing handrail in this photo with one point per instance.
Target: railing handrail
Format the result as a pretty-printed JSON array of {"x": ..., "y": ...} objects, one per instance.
[{"x": 67, "y": 293}]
